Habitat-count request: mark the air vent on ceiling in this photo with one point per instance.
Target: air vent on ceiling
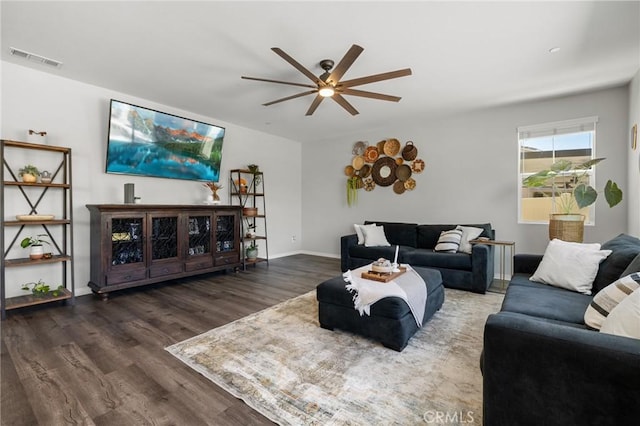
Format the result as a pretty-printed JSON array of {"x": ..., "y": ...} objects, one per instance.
[{"x": 35, "y": 58}]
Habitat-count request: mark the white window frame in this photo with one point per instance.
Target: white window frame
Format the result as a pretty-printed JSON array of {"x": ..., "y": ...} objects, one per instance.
[{"x": 549, "y": 129}]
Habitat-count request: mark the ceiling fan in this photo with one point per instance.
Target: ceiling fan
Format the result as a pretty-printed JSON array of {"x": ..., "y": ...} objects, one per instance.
[{"x": 328, "y": 84}]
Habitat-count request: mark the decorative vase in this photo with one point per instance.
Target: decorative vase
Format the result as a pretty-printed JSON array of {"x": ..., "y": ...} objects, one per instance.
[
  {"x": 37, "y": 252},
  {"x": 45, "y": 177},
  {"x": 566, "y": 227}
]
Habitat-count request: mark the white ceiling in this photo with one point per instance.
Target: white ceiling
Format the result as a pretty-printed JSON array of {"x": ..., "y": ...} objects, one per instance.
[{"x": 464, "y": 55}]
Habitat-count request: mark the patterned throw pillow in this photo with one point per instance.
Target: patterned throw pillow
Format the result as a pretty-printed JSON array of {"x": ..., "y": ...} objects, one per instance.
[
  {"x": 449, "y": 241},
  {"x": 624, "y": 319},
  {"x": 608, "y": 298}
]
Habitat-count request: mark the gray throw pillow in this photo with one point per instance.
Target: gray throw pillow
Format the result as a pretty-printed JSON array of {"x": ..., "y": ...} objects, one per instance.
[
  {"x": 624, "y": 249},
  {"x": 634, "y": 266}
]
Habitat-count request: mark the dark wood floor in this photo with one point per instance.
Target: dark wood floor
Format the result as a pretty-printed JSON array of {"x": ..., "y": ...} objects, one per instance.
[{"x": 104, "y": 363}]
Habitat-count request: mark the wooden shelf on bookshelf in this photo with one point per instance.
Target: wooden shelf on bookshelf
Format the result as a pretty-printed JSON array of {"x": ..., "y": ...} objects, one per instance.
[{"x": 30, "y": 300}]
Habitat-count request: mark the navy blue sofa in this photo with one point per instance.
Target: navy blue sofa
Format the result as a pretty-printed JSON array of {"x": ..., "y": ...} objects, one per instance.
[
  {"x": 472, "y": 272},
  {"x": 543, "y": 366}
]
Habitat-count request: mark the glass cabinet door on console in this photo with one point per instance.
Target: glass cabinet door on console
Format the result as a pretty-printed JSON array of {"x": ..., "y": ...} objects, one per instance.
[
  {"x": 227, "y": 249},
  {"x": 164, "y": 245},
  {"x": 126, "y": 258},
  {"x": 200, "y": 236}
]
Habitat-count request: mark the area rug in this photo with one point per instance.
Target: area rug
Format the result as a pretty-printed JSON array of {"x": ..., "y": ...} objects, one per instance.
[{"x": 282, "y": 364}]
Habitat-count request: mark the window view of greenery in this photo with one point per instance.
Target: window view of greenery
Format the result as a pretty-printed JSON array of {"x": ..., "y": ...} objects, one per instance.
[{"x": 541, "y": 153}]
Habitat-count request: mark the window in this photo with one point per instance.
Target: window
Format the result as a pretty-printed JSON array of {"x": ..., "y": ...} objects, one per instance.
[{"x": 539, "y": 147}]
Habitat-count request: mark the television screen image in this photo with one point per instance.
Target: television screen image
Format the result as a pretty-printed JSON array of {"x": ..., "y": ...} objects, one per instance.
[{"x": 151, "y": 143}]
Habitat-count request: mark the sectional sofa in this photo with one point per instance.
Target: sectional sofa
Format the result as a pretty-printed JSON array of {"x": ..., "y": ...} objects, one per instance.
[
  {"x": 542, "y": 364},
  {"x": 416, "y": 243}
]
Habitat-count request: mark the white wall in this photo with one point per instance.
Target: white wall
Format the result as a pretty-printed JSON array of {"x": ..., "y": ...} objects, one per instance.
[
  {"x": 76, "y": 115},
  {"x": 471, "y": 173},
  {"x": 634, "y": 158}
]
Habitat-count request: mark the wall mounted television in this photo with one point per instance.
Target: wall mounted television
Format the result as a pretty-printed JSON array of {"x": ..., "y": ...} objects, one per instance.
[{"x": 151, "y": 143}]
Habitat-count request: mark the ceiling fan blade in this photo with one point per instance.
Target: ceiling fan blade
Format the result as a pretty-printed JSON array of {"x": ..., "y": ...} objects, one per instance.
[
  {"x": 297, "y": 65},
  {"x": 278, "y": 81},
  {"x": 344, "y": 104},
  {"x": 375, "y": 77},
  {"x": 314, "y": 105},
  {"x": 290, "y": 97},
  {"x": 372, "y": 95},
  {"x": 344, "y": 64}
]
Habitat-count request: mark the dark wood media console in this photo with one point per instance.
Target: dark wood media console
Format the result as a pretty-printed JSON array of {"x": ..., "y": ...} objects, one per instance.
[{"x": 138, "y": 244}]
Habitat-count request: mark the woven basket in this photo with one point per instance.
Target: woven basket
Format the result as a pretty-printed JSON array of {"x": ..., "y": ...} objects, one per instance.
[
  {"x": 250, "y": 211},
  {"x": 566, "y": 227}
]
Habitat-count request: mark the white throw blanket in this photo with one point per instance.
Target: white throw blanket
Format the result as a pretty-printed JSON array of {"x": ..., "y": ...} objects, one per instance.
[{"x": 409, "y": 286}]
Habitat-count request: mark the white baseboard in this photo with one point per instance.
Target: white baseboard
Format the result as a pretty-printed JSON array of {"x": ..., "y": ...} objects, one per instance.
[{"x": 311, "y": 253}]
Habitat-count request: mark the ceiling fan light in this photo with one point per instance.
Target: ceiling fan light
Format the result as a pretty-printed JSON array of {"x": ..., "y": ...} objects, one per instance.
[{"x": 326, "y": 91}]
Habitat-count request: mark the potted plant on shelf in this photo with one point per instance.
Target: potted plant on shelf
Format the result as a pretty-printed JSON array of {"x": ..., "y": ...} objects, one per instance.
[
  {"x": 252, "y": 251},
  {"x": 571, "y": 191},
  {"x": 37, "y": 250},
  {"x": 255, "y": 170},
  {"x": 42, "y": 289},
  {"x": 29, "y": 173}
]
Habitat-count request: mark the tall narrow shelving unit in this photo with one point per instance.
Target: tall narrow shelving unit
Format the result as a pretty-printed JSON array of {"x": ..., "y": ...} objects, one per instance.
[
  {"x": 59, "y": 230},
  {"x": 246, "y": 188}
]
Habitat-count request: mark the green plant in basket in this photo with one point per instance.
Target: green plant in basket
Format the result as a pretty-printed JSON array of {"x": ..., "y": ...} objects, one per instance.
[{"x": 570, "y": 185}]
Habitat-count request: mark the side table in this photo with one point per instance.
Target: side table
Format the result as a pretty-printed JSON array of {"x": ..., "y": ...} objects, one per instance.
[{"x": 502, "y": 245}]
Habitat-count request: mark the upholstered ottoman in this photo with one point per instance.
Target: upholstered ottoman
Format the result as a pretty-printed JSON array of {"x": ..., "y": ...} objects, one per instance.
[{"x": 391, "y": 321}]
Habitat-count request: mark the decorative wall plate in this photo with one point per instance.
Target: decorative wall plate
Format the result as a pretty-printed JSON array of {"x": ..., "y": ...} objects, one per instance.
[
  {"x": 391, "y": 147},
  {"x": 369, "y": 184},
  {"x": 365, "y": 171},
  {"x": 359, "y": 147},
  {"x": 403, "y": 172},
  {"x": 417, "y": 166},
  {"x": 409, "y": 184},
  {"x": 357, "y": 162},
  {"x": 398, "y": 187},
  {"x": 384, "y": 171},
  {"x": 349, "y": 170},
  {"x": 371, "y": 154}
]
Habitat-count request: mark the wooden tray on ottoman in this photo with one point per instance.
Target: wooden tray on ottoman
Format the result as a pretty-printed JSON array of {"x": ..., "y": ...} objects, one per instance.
[{"x": 382, "y": 277}]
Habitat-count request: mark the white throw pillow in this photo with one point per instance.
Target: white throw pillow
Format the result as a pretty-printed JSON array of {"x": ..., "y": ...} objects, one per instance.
[
  {"x": 568, "y": 265},
  {"x": 608, "y": 298},
  {"x": 449, "y": 241},
  {"x": 374, "y": 236},
  {"x": 624, "y": 319},
  {"x": 359, "y": 232},
  {"x": 468, "y": 233}
]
